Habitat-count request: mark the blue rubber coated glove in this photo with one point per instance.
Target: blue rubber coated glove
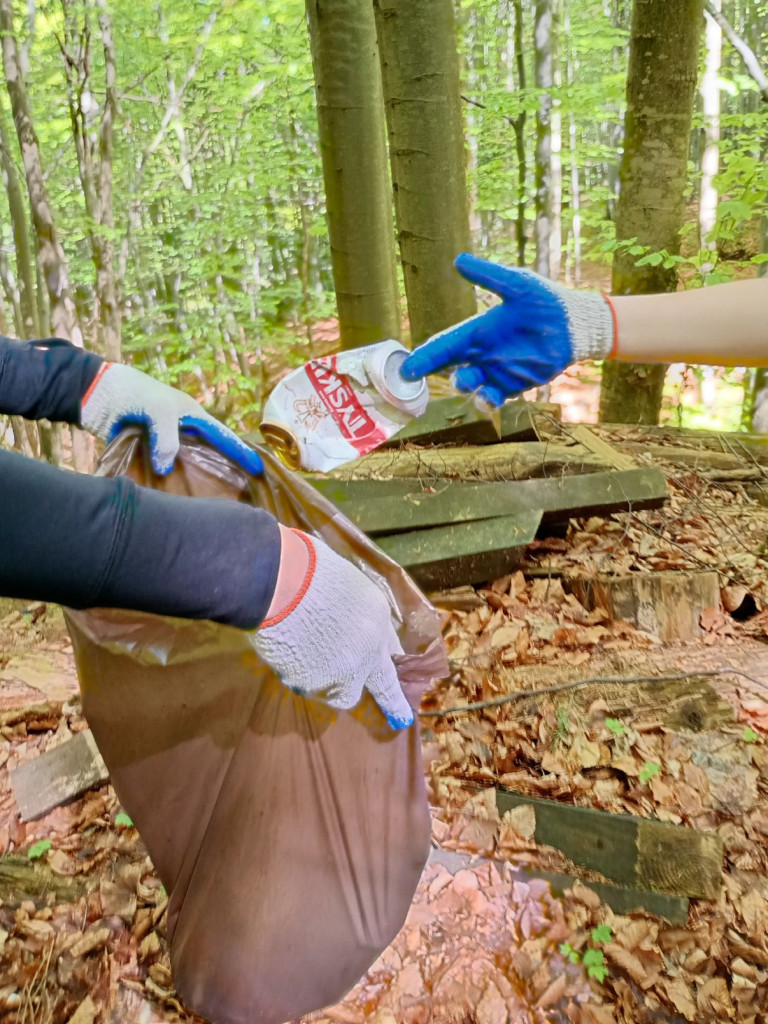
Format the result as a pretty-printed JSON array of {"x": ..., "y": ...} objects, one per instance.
[
  {"x": 537, "y": 330},
  {"x": 122, "y": 395}
]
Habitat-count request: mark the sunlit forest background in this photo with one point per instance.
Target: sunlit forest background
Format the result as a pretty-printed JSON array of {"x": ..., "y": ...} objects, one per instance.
[{"x": 185, "y": 201}]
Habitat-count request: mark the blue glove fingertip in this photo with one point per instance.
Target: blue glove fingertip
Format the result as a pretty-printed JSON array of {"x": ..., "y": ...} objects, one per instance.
[
  {"x": 490, "y": 396},
  {"x": 397, "y": 723},
  {"x": 467, "y": 379}
]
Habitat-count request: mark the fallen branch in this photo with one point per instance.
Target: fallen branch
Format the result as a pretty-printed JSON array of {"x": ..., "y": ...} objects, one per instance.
[{"x": 510, "y": 698}]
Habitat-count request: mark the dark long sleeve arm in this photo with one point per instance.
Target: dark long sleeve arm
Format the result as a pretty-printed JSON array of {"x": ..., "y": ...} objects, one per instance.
[
  {"x": 95, "y": 542},
  {"x": 45, "y": 379}
]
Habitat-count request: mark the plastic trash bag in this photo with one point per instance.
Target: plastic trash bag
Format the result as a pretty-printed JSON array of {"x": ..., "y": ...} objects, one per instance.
[{"x": 290, "y": 837}]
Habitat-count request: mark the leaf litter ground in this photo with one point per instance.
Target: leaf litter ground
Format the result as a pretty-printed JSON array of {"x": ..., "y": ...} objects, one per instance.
[{"x": 485, "y": 942}]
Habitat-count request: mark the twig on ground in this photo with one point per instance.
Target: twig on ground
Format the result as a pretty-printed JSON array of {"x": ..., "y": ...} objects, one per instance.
[{"x": 518, "y": 695}]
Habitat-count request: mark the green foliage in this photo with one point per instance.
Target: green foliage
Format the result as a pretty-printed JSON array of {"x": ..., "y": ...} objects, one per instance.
[
  {"x": 649, "y": 769},
  {"x": 615, "y": 725},
  {"x": 123, "y": 820},
  {"x": 570, "y": 953},
  {"x": 36, "y": 850},
  {"x": 594, "y": 961},
  {"x": 749, "y": 735},
  {"x": 602, "y": 933}
]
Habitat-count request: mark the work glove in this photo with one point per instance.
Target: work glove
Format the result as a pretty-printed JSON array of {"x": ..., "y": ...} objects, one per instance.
[
  {"x": 538, "y": 329},
  {"x": 122, "y": 395},
  {"x": 336, "y": 637}
]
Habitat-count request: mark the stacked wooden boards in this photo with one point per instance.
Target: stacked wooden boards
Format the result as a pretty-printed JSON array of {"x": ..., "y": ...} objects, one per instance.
[{"x": 457, "y": 496}]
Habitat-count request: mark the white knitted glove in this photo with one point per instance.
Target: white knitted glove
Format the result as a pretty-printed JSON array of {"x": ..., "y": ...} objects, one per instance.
[
  {"x": 122, "y": 395},
  {"x": 336, "y": 638}
]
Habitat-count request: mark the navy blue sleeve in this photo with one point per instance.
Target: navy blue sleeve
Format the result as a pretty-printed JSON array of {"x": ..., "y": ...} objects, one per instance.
[
  {"x": 45, "y": 379},
  {"x": 87, "y": 542}
]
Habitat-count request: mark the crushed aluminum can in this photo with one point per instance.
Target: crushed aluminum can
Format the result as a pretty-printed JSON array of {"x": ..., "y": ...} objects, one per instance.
[{"x": 337, "y": 408}]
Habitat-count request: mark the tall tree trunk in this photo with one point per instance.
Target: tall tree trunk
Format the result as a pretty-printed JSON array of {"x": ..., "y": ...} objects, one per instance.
[
  {"x": 661, "y": 83},
  {"x": 95, "y": 163},
  {"x": 575, "y": 269},
  {"x": 542, "y": 37},
  {"x": 420, "y": 70},
  {"x": 353, "y": 144},
  {"x": 710, "y": 97},
  {"x": 28, "y": 326},
  {"x": 519, "y": 126},
  {"x": 556, "y": 147},
  {"x": 49, "y": 251},
  {"x": 51, "y": 260}
]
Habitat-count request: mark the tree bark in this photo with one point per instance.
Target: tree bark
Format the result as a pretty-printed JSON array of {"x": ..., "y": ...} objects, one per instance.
[
  {"x": 27, "y": 327},
  {"x": 51, "y": 261},
  {"x": 49, "y": 250},
  {"x": 710, "y": 98},
  {"x": 543, "y": 78},
  {"x": 661, "y": 82},
  {"x": 353, "y": 145},
  {"x": 519, "y": 126},
  {"x": 420, "y": 71},
  {"x": 95, "y": 164}
]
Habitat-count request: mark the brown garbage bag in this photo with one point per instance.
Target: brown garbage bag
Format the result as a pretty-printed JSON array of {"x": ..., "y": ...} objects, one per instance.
[{"x": 290, "y": 837}]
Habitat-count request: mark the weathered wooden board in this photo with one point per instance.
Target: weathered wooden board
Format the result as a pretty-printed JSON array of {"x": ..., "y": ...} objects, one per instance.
[
  {"x": 58, "y": 775},
  {"x": 456, "y": 420},
  {"x": 387, "y": 506},
  {"x": 635, "y": 852},
  {"x": 621, "y": 900},
  {"x": 666, "y": 604},
  {"x": 471, "y": 552}
]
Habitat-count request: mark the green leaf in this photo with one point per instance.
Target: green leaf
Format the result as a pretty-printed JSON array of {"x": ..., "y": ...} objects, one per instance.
[
  {"x": 594, "y": 961},
  {"x": 122, "y": 820},
  {"x": 749, "y": 735},
  {"x": 39, "y": 848},
  {"x": 649, "y": 769},
  {"x": 653, "y": 259},
  {"x": 602, "y": 933},
  {"x": 615, "y": 726}
]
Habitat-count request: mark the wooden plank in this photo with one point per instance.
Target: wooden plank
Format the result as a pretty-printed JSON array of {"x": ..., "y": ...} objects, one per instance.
[
  {"x": 473, "y": 552},
  {"x": 635, "y": 852},
  {"x": 22, "y": 879},
  {"x": 612, "y": 457},
  {"x": 387, "y": 506},
  {"x": 666, "y": 604},
  {"x": 453, "y": 420},
  {"x": 58, "y": 775},
  {"x": 621, "y": 900},
  {"x": 505, "y": 461}
]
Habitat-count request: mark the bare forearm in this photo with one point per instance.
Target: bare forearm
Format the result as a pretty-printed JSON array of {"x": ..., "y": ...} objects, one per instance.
[{"x": 725, "y": 325}]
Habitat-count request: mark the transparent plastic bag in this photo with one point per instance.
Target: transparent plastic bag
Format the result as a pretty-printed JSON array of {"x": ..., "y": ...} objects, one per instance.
[{"x": 290, "y": 837}]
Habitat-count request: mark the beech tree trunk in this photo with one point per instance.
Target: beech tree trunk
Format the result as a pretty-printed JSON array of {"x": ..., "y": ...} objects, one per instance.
[
  {"x": 51, "y": 260},
  {"x": 661, "y": 83},
  {"x": 420, "y": 72},
  {"x": 542, "y": 35},
  {"x": 27, "y": 327},
  {"x": 710, "y": 97},
  {"x": 519, "y": 126},
  {"x": 94, "y": 159},
  {"x": 350, "y": 111}
]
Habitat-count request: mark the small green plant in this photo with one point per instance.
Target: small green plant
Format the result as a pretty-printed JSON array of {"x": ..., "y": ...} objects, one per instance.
[
  {"x": 594, "y": 961},
  {"x": 123, "y": 820},
  {"x": 602, "y": 933},
  {"x": 649, "y": 769},
  {"x": 569, "y": 952},
  {"x": 615, "y": 725},
  {"x": 36, "y": 851},
  {"x": 749, "y": 735}
]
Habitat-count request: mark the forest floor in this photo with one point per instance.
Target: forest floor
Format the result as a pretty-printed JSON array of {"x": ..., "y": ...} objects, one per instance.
[{"x": 484, "y": 942}]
